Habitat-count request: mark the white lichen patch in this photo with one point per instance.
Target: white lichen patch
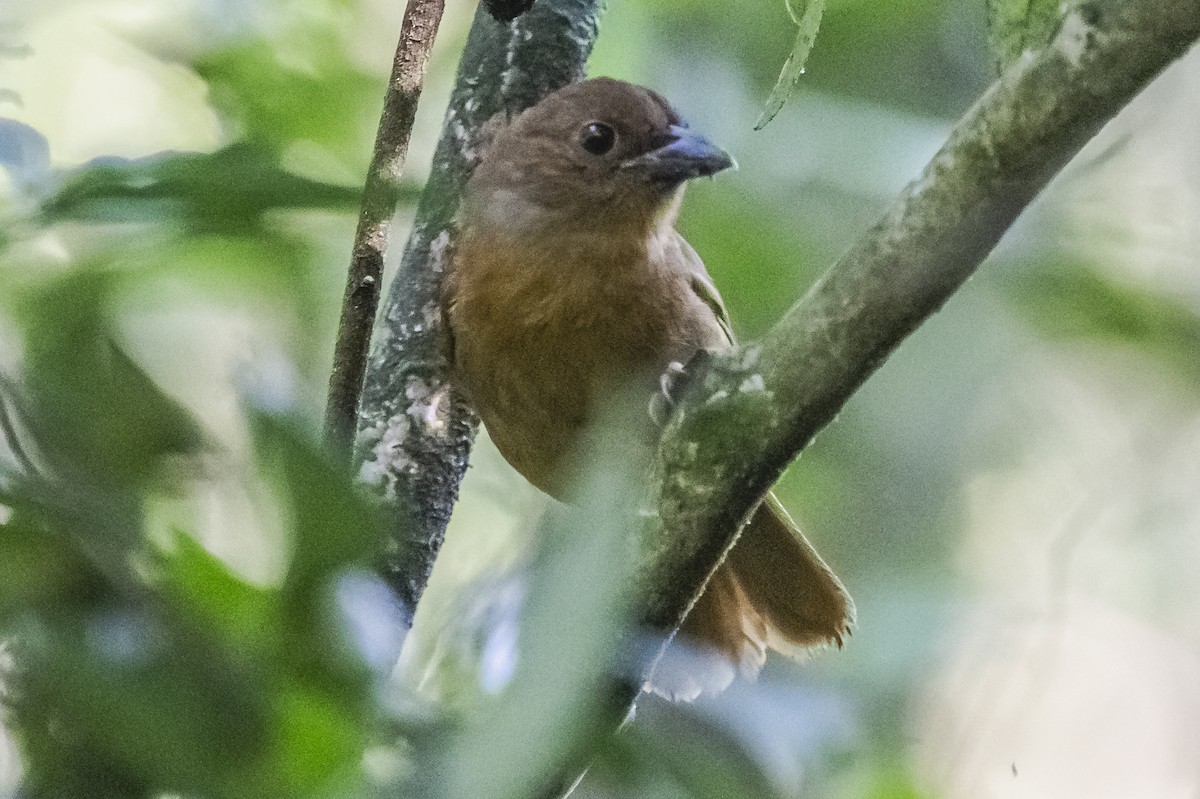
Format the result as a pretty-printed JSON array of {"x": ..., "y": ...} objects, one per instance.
[
  {"x": 748, "y": 356},
  {"x": 437, "y": 251},
  {"x": 431, "y": 316},
  {"x": 462, "y": 135},
  {"x": 696, "y": 487},
  {"x": 753, "y": 384},
  {"x": 377, "y": 236},
  {"x": 716, "y": 397},
  {"x": 429, "y": 405},
  {"x": 507, "y": 75},
  {"x": 1075, "y": 38},
  {"x": 387, "y": 458}
]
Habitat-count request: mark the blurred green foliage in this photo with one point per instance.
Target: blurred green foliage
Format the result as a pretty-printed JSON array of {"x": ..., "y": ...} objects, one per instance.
[
  {"x": 1074, "y": 302},
  {"x": 166, "y": 321},
  {"x": 144, "y": 665},
  {"x": 223, "y": 192}
]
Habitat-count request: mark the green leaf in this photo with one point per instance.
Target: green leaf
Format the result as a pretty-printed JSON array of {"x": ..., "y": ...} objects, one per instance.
[
  {"x": 317, "y": 739},
  {"x": 890, "y": 779},
  {"x": 95, "y": 412},
  {"x": 38, "y": 568},
  {"x": 200, "y": 585},
  {"x": 334, "y": 532},
  {"x": 298, "y": 85},
  {"x": 702, "y": 756},
  {"x": 807, "y": 16},
  {"x": 225, "y": 191},
  {"x": 146, "y": 672},
  {"x": 333, "y": 527},
  {"x": 1015, "y": 26},
  {"x": 123, "y": 686}
]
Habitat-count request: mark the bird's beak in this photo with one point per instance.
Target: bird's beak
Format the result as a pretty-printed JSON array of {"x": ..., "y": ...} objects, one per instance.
[{"x": 683, "y": 156}]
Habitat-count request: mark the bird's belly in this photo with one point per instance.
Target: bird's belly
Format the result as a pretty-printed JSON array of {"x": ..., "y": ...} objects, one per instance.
[{"x": 545, "y": 391}]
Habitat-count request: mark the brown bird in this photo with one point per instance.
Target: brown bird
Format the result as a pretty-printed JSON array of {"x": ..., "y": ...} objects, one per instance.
[{"x": 570, "y": 284}]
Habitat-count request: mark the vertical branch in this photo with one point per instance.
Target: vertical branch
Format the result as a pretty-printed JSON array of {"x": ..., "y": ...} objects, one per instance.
[
  {"x": 415, "y": 434},
  {"x": 417, "y": 33}
]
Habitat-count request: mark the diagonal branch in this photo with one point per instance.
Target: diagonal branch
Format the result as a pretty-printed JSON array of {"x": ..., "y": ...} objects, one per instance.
[
  {"x": 415, "y": 435},
  {"x": 380, "y": 194},
  {"x": 755, "y": 410}
]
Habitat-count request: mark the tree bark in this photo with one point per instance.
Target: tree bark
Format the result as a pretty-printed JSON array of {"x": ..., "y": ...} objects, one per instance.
[
  {"x": 414, "y": 434},
  {"x": 365, "y": 279}
]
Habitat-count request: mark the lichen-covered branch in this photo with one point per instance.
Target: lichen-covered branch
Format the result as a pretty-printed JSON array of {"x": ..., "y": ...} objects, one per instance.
[
  {"x": 414, "y": 434},
  {"x": 754, "y": 411},
  {"x": 364, "y": 281}
]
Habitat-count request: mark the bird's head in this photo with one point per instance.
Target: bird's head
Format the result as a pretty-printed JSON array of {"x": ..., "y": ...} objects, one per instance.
[{"x": 600, "y": 152}]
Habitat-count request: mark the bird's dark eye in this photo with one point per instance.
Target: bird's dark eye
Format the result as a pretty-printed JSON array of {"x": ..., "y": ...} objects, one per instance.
[{"x": 598, "y": 138}]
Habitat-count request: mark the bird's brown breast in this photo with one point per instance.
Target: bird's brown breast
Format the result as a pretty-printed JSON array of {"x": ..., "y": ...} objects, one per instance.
[{"x": 545, "y": 336}]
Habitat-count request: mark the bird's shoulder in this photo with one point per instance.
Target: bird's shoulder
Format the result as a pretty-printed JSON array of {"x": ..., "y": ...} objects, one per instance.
[{"x": 699, "y": 282}]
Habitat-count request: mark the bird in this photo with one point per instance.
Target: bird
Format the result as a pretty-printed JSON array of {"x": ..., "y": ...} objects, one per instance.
[{"x": 570, "y": 283}]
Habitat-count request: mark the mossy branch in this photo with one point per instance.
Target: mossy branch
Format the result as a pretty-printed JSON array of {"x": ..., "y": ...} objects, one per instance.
[{"x": 754, "y": 411}]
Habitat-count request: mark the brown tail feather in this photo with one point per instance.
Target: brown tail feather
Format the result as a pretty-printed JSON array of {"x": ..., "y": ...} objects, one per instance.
[
  {"x": 724, "y": 619},
  {"x": 773, "y": 590}
]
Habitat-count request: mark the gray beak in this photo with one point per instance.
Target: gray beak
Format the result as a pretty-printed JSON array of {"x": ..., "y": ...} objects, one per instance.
[{"x": 684, "y": 155}]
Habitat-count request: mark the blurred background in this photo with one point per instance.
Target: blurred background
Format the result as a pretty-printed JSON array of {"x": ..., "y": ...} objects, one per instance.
[{"x": 1013, "y": 500}]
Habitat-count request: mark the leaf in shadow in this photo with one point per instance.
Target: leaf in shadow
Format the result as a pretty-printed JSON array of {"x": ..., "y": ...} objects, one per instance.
[
  {"x": 92, "y": 409},
  {"x": 226, "y": 191},
  {"x": 703, "y": 758}
]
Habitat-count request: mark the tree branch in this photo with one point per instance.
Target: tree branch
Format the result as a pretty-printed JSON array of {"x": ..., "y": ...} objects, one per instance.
[
  {"x": 755, "y": 410},
  {"x": 417, "y": 33},
  {"x": 414, "y": 434}
]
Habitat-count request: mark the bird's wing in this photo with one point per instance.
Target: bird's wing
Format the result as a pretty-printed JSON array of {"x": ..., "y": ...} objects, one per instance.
[
  {"x": 705, "y": 289},
  {"x": 446, "y": 309}
]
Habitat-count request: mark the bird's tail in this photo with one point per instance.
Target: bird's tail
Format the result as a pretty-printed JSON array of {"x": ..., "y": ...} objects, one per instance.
[{"x": 773, "y": 591}]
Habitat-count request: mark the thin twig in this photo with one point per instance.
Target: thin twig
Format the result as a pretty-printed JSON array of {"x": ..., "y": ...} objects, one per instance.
[{"x": 417, "y": 33}]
